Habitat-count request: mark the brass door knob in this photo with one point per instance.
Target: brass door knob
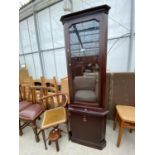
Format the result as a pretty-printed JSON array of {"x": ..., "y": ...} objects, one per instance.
[
  {"x": 69, "y": 64},
  {"x": 84, "y": 119}
]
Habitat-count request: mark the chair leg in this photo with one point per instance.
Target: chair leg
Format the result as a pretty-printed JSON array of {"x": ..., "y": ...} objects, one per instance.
[
  {"x": 115, "y": 120},
  {"x": 120, "y": 132},
  {"x": 20, "y": 129},
  {"x": 34, "y": 126},
  {"x": 43, "y": 135},
  {"x": 49, "y": 142},
  {"x": 57, "y": 145}
]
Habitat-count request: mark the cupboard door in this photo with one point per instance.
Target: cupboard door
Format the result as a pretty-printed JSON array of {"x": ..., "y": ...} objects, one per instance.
[{"x": 84, "y": 65}]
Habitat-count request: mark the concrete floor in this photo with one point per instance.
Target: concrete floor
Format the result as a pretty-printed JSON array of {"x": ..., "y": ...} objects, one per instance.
[{"x": 28, "y": 146}]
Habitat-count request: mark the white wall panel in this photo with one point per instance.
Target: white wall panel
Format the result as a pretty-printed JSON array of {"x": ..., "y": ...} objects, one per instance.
[
  {"x": 118, "y": 25},
  {"x": 119, "y": 14},
  {"x": 37, "y": 65},
  {"x": 132, "y": 67},
  {"x": 32, "y": 34},
  {"x": 56, "y": 11},
  {"x": 45, "y": 36},
  {"x": 30, "y": 65},
  {"x": 49, "y": 63},
  {"x": 117, "y": 57},
  {"x": 51, "y": 35},
  {"x": 25, "y": 37},
  {"x": 20, "y": 46},
  {"x": 77, "y": 5},
  {"x": 61, "y": 67},
  {"x": 119, "y": 17},
  {"x": 22, "y": 61}
]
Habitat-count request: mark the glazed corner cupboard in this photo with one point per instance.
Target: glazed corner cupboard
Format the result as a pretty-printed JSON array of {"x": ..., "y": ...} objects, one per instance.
[{"x": 86, "y": 50}]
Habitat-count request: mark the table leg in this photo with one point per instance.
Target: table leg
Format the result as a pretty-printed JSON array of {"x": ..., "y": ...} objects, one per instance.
[
  {"x": 57, "y": 145},
  {"x": 43, "y": 134},
  {"x": 120, "y": 132},
  {"x": 49, "y": 142}
]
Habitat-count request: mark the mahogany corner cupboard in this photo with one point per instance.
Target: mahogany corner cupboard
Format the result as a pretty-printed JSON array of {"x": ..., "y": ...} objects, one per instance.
[{"x": 86, "y": 51}]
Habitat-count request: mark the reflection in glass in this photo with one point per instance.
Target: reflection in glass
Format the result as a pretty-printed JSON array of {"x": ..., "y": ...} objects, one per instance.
[
  {"x": 84, "y": 47},
  {"x": 84, "y": 38}
]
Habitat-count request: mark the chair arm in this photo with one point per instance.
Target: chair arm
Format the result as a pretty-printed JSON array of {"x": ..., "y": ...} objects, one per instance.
[{"x": 56, "y": 95}]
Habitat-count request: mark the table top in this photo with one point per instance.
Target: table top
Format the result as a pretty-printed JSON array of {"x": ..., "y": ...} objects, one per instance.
[{"x": 127, "y": 113}]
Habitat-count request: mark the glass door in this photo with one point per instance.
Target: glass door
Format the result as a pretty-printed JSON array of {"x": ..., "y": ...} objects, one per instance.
[{"x": 84, "y": 50}]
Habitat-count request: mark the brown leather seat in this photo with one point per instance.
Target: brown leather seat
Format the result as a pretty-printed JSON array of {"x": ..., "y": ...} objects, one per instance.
[
  {"x": 31, "y": 112},
  {"x": 23, "y": 105}
]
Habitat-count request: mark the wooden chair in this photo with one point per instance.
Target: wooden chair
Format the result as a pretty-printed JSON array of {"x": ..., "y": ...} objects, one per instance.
[
  {"x": 23, "y": 101},
  {"x": 31, "y": 113},
  {"x": 25, "y": 88},
  {"x": 126, "y": 116},
  {"x": 56, "y": 114},
  {"x": 23, "y": 74}
]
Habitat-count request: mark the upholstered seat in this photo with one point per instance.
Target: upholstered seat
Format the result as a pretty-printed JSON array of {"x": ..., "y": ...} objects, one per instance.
[
  {"x": 23, "y": 105},
  {"x": 85, "y": 95},
  {"x": 31, "y": 112},
  {"x": 54, "y": 117}
]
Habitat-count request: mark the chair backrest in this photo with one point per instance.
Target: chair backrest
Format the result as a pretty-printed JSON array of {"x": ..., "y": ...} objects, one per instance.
[
  {"x": 37, "y": 93},
  {"x": 43, "y": 81},
  {"x": 28, "y": 81},
  {"x": 25, "y": 92},
  {"x": 55, "y": 100},
  {"x": 25, "y": 88},
  {"x": 23, "y": 74}
]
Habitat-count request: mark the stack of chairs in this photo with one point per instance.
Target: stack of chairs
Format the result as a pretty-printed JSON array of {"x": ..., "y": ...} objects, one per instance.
[{"x": 45, "y": 99}]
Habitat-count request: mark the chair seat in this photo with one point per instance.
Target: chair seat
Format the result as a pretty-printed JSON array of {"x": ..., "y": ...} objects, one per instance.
[
  {"x": 23, "y": 105},
  {"x": 126, "y": 113},
  {"x": 31, "y": 112},
  {"x": 85, "y": 95},
  {"x": 54, "y": 117}
]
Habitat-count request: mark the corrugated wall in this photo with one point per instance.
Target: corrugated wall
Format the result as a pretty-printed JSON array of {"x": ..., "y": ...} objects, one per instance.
[{"x": 42, "y": 38}]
